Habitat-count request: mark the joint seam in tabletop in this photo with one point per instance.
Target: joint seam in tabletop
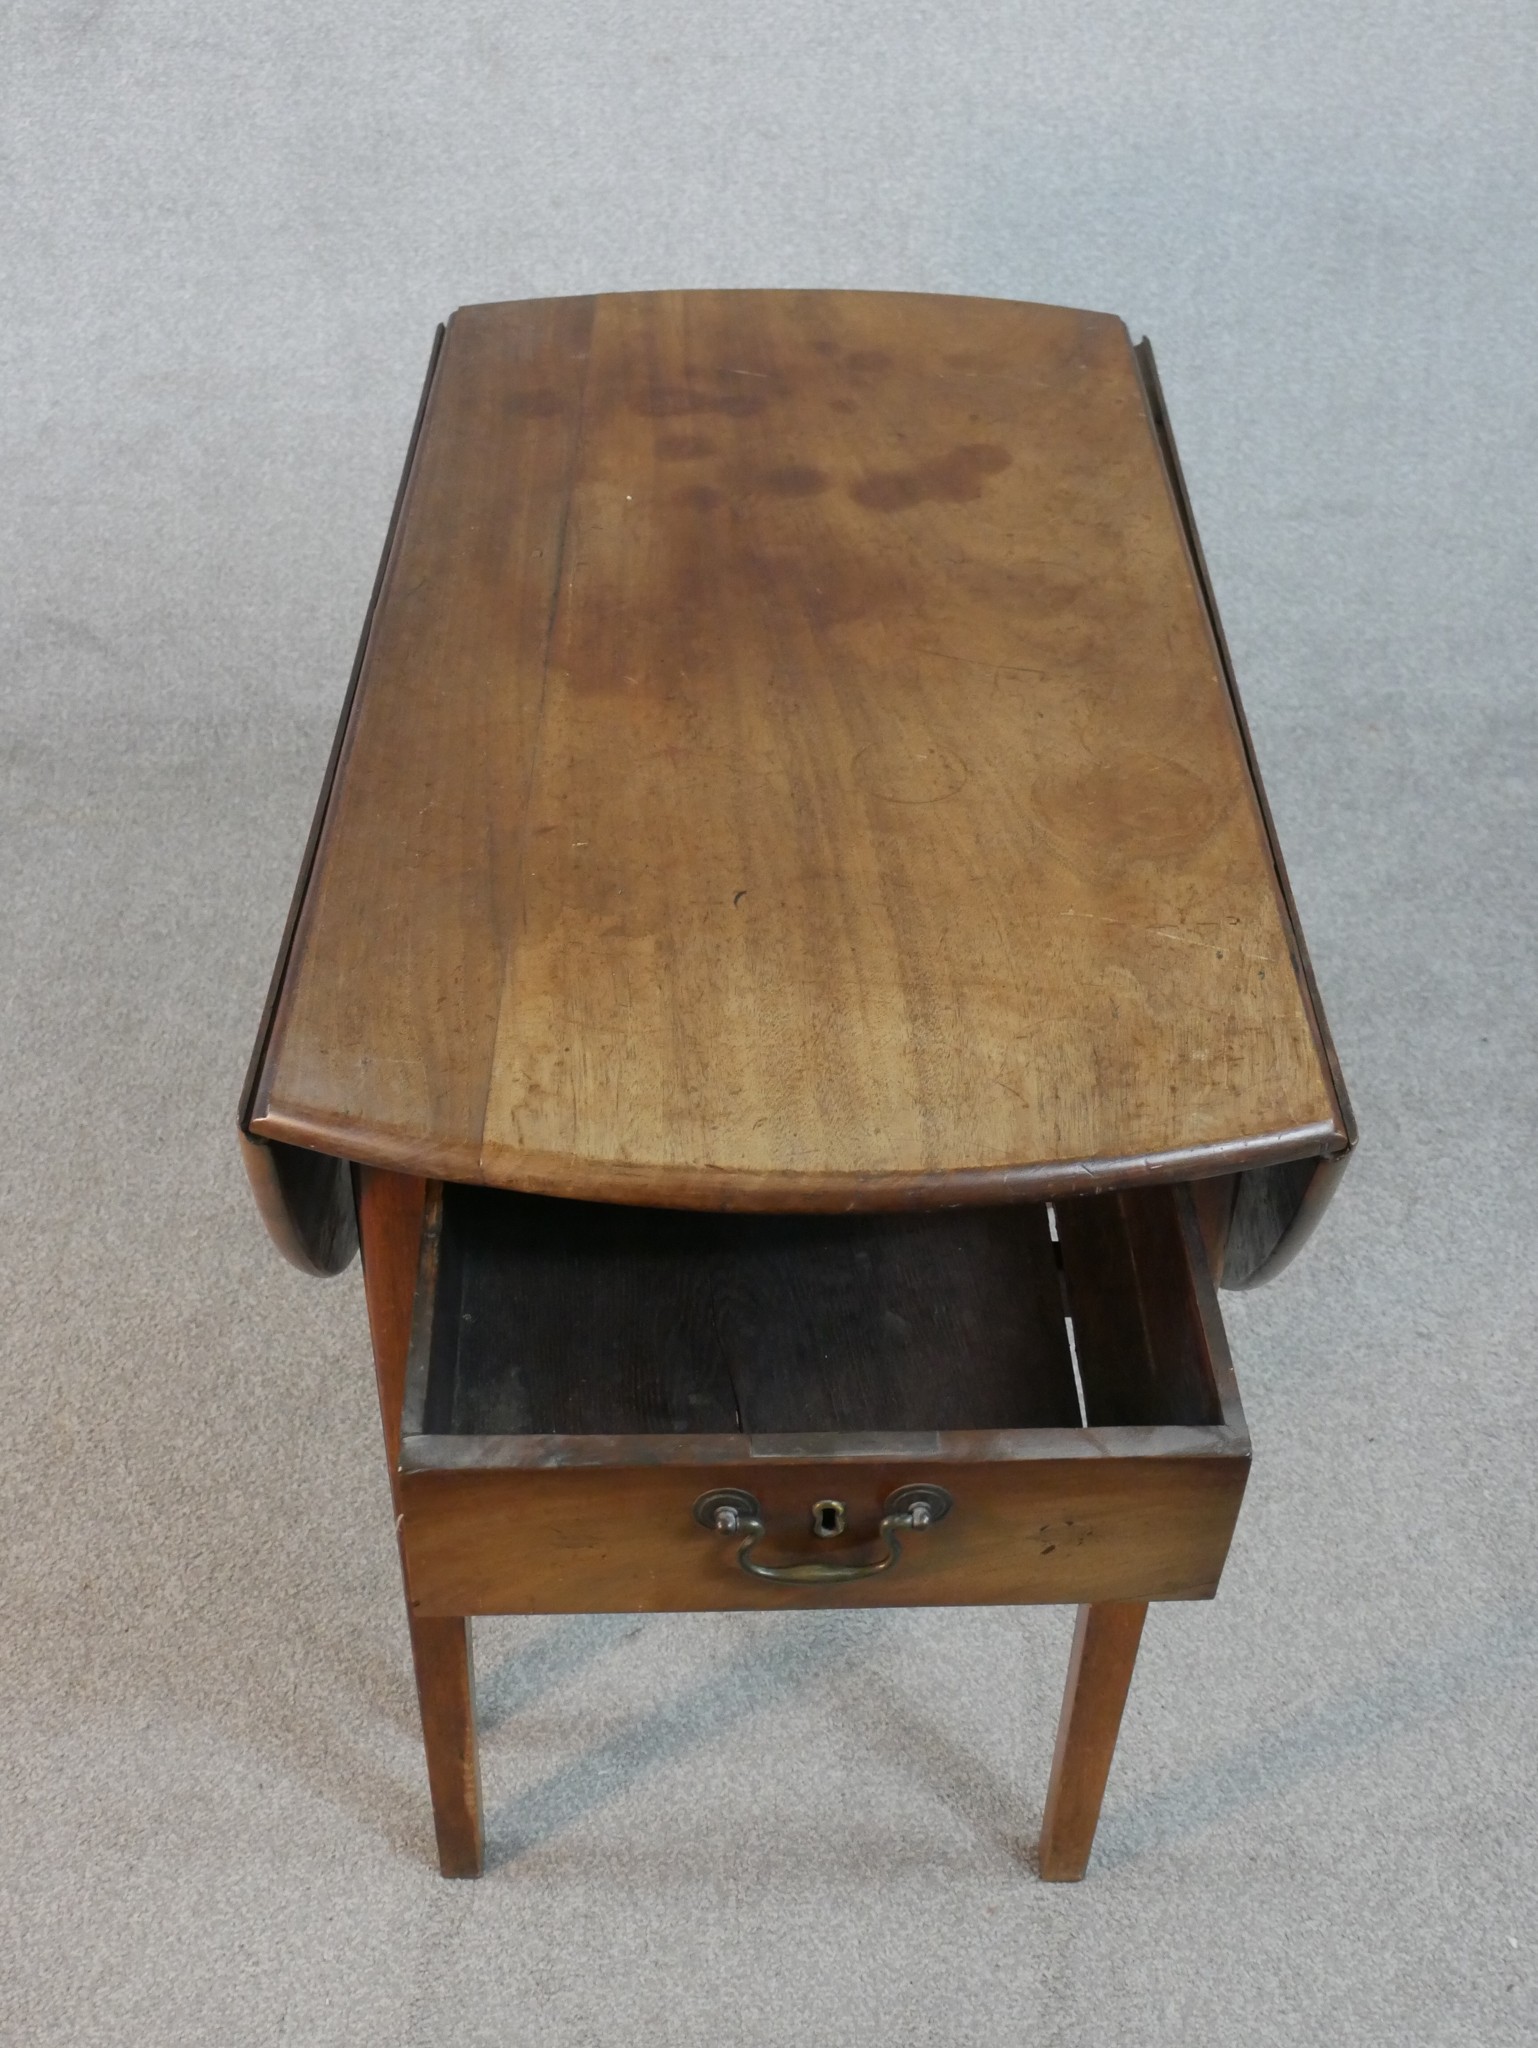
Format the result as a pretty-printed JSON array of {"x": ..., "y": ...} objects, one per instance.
[
  {"x": 1302, "y": 966},
  {"x": 255, "y": 1088},
  {"x": 513, "y": 928}
]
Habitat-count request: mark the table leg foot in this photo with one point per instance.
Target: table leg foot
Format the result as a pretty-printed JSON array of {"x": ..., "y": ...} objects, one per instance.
[
  {"x": 1105, "y": 1645},
  {"x": 390, "y": 1209},
  {"x": 440, "y": 1649}
]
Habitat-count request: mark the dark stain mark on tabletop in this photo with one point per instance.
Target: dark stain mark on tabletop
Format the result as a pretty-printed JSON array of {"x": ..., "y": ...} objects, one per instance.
[
  {"x": 946, "y": 480},
  {"x": 701, "y": 497}
]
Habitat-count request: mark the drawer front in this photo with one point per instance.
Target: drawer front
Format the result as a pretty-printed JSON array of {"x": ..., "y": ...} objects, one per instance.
[{"x": 1019, "y": 1529}]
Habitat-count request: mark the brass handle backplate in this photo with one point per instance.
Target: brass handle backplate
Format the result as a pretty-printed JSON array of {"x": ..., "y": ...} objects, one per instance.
[{"x": 735, "y": 1513}]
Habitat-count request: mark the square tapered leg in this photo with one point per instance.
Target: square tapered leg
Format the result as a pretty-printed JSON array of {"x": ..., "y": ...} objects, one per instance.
[
  {"x": 390, "y": 1207},
  {"x": 440, "y": 1649},
  {"x": 1105, "y": 1645}
]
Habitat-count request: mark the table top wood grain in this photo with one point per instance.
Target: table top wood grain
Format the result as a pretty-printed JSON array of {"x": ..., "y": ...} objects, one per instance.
[{"x": 791, "y": 766}]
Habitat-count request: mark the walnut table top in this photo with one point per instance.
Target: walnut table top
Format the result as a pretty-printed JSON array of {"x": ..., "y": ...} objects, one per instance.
[{"x": 792, "y": 764}]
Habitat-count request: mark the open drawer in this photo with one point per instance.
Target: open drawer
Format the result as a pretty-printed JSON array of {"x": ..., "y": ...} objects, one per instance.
[{"x": 614, "y": 1409}]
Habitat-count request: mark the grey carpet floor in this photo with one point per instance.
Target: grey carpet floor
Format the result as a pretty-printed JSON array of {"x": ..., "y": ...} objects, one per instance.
[{"x": 228, "y": 234}]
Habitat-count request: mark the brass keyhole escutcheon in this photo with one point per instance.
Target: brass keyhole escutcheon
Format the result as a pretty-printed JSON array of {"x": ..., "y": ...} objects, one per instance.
[{"x": 828, "y": 1518}]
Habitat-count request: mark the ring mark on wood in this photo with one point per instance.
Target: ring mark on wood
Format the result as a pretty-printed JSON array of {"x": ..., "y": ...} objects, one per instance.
[{"x": 1130, "y": 805}]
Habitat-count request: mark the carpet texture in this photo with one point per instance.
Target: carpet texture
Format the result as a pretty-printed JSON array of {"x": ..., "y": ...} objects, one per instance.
[{"x": 228, "y": 234}]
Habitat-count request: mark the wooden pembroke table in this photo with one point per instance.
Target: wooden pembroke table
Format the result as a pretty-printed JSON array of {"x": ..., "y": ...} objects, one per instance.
[{"x": 794, "y": 988}]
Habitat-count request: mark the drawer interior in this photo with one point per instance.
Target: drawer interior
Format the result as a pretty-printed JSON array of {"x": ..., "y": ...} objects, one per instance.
[{"x": 560, "y": 1318}]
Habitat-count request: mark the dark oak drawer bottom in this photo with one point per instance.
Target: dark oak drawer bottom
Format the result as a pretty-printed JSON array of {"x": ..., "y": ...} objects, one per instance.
[{"x": 581, "y": 1375}]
